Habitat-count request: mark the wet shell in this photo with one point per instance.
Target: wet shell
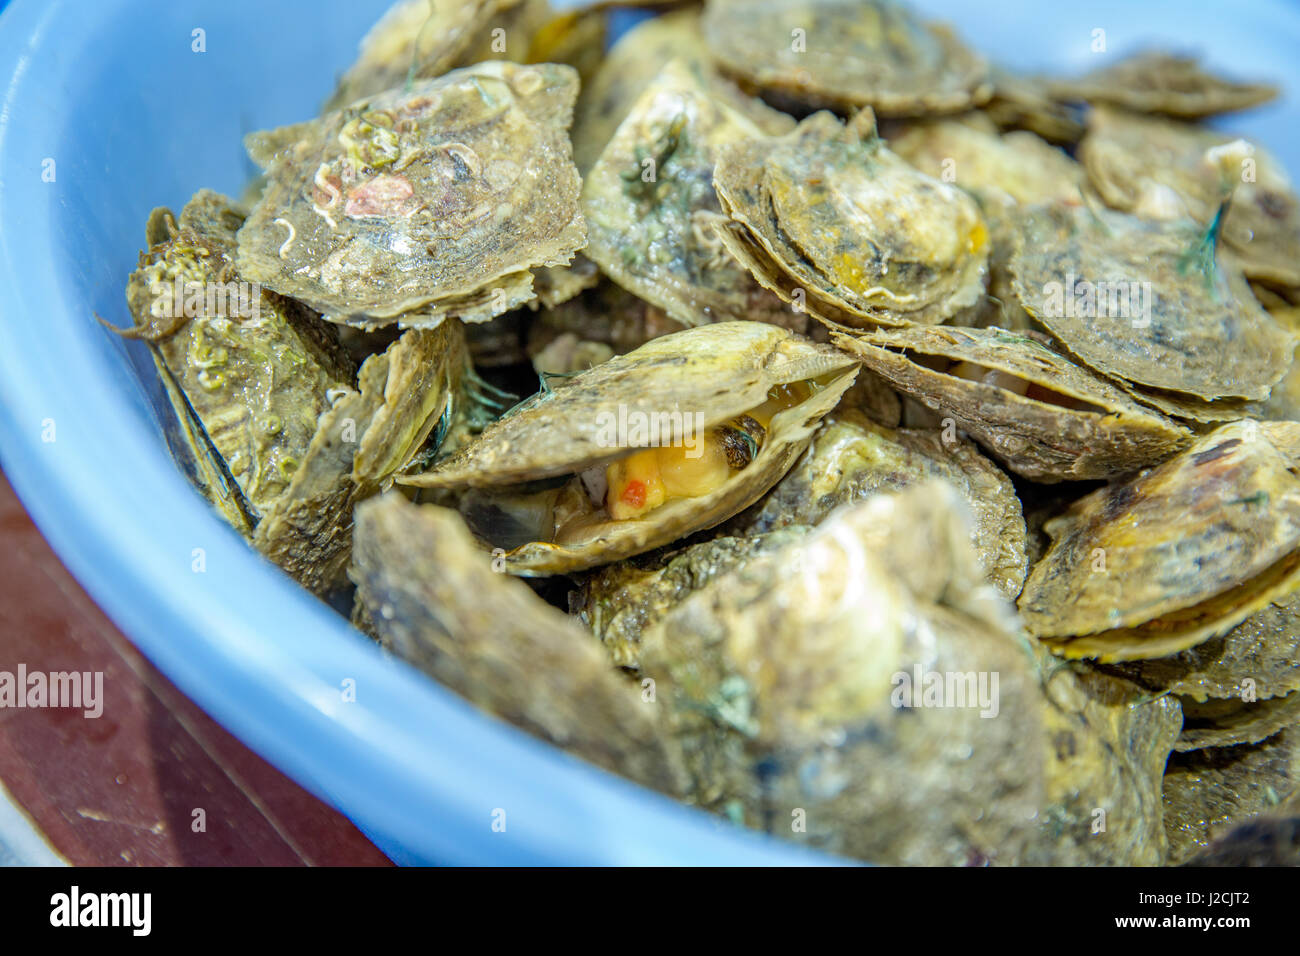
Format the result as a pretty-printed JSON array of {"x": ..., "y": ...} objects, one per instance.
[
  {"x": 1228, "y": 721},
  {"x": 1163, "y": 169},
  {"x": 828, "y": 218},
  {"x": 421, "y": 201},
  {"x": 1129, "y": 299},
  {"x": 406, "y": 399},
  {"x": 852, "y": 458},
  {"x": 1207, "y": 792},
  {"x": 844, "y": 54},
  {"x": 421, "y": 39},
  {"x": 1260, "y": 656},
  {"x": 1020, "y": 102},
  {"x": 1179, "y": 554},
  {"x": 438, "y": 604},
  {"x": 1106, "y": 741},
  {"x": 1154, "y": 81},
  {"x": 651, "y": 208},
  {"x": 785, "y": 683},
  {"x": 254, "y": 369},
  {"x": 719, "y": 371},
  {"x": 1035, "y": 410},
  {"x": 633, "y": 62}
]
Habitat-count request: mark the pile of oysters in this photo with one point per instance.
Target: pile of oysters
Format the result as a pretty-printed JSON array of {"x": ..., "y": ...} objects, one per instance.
[{"x": 784, "y": 408}]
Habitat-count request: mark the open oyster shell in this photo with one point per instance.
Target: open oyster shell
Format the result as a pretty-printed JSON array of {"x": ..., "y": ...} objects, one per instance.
[
  {"x": 1179, "y": 554},
  {"x": 1131, "y": 299},
  {"x": 650, "y": 206},
  {"x": 1035, "y": 410},
  {"x": 852, "y": 458},
  {"x": 1207, "y": 792},
  {"x": 688, "y": 384},
  {"x": 436, "y": 602},
  {"x": 785, "y": 682},
  {"x": 418, "y": 204},
  {"x": 1156, "y": 81},
  {"x": 828, "y": 218},
  {"x": 1164, "y": 169},
  {"x": 845, "y": 54}
]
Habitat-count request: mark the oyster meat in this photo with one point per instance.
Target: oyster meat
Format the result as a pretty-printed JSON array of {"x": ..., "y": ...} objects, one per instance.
[{"x": 418, "y": 204}]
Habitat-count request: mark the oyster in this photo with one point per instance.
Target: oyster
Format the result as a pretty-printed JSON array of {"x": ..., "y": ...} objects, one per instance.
[
  {"x": 407, "y": 400},
  {"x": 1020, "y": 102},
  {"x": 1003, "y": 173},
  {"x": 254, "y": 367},
  {"x": 844, "y": 54},
  {"x": 421, "y": 39},
  {"x": 621, "y": 600},
  {"x": 828, "y": 218},
  {"x": 669, "y": 439},
  {"x": 1271, "y": 839},
  {"x": 439, "y": 605},
  {"x": 415, "y": 205},
  {"x": 1207, "y": 792},
  {"x": 1179, "y": 554},
  {"x": 852, "y": 458},
  {"x": 1260, "y": 657},
  {"x": 1134, "y": 300},
  {"x": 633, "y": 62},
  {"x": 1154, "y": 81},
  {"x": 1162, "y": 169},
  {"x": 787, "y": 683},
  {"x": 1107, "y": 741},
  {"x": 1036, "y": 411},
  {"x": 651, "y": 209},
  {"x": 1229, "y": 721}
]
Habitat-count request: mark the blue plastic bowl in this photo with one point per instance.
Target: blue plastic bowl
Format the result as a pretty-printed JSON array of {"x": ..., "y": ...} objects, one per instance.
[{"x": 107, "y": 100}]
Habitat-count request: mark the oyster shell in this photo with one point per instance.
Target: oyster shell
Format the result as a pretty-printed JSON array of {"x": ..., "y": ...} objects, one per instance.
[
  {"x": 828, "y": 218},
  {"x": 1260, "y": 657},
  {"x": 1156, "y": 81},
  {"x": 1207, "y": 792},
  {"x": 651, "y": 208},
  {"x": 1271, "y": 839},
  {"x": 254, "y": 368},
  {"x": 1107, "y": 741},
  {"x": 1122, "y": 295},
  {"x": 407, "y": 396},
  {"x": 421, "y": 39},
  {"x": 415, "y": 205},
  {"x": 1179, "y": 554},
  {"x": 1033, "y": 409},
  {"x": 784, "y": 681},
  {"x": 1020, "y": 102},
  {"x": 844, "y": 54},
  {"x": 852, "y": 458},
  {"x": 693, "y": 386},
  {"x": 621, "y": 600},
  {"x": 607, "y": 314},
  {"x": 438, "y": 604},
  {"x": 633, "y": 62},
  {"x": 1163, "y": 169},
  {"x": 1228, "y": 721}
]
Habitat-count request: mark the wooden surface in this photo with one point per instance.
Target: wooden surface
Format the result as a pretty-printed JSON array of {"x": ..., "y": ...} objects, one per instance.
[{"x": 122, "y": 789}]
